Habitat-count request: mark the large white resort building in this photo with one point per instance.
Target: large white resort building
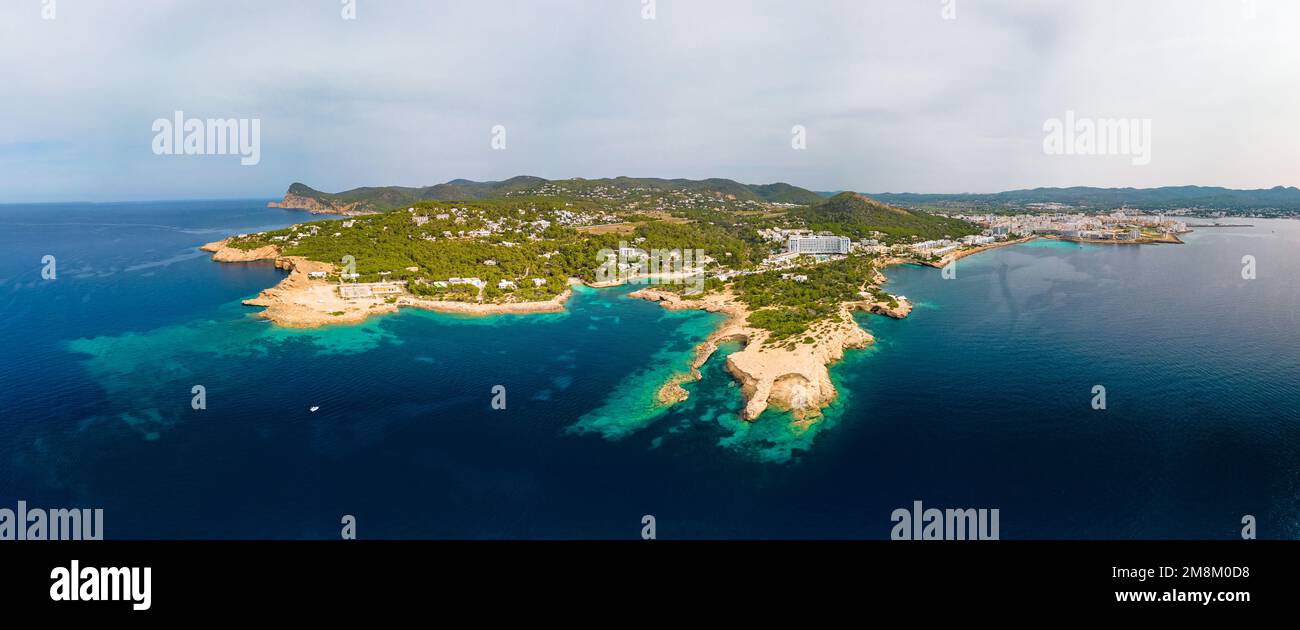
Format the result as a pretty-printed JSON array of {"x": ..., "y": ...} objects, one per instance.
[{"x": 819, "y": 244}]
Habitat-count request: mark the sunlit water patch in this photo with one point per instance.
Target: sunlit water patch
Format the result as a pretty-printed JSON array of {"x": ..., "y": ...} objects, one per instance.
[{"x": 634, "y": 404}]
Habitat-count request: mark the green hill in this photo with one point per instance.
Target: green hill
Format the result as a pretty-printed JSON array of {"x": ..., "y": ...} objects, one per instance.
[
  {"x": 617, "y": 188},
  {"x": 782, "y": 192},
  {"x": 379, "y": 198},
  {"x": 856, "y": 216}
]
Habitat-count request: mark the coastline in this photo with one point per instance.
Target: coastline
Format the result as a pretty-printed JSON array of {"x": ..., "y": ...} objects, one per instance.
[
  {"x": 1170, "y": 239},
  {"x": 298, "y": 202},
  {"x": 958, "y": 255},
  {"x": 954, "y": 256},
  {"x": 299, "y": 301},
  {"x": 794, "y": 378}
]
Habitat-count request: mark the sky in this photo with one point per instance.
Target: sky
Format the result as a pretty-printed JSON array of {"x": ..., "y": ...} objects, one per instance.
[{"x": 890, "y": 95}]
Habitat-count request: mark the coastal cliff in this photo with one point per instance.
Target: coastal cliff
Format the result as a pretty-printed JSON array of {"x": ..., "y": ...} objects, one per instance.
[
  {"x": 292, "y": 201},
  {"x": 222, "y": 252}
]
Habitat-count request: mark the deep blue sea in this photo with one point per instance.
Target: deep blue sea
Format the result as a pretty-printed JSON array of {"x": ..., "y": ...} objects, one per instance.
[{"x": 981, "y": 398}]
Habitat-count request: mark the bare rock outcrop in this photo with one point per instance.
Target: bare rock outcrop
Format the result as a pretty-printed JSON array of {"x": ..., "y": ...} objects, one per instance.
[
  {"x": 316, "y": 206},
  {"x": 793, "y": 377},
  {"x": 223, "y": 252}
]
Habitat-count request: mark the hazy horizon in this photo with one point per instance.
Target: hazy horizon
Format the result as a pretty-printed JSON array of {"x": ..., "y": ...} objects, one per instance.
[
  {"x": 279, "y": 195},
  {"x": 943, "y": 96}
]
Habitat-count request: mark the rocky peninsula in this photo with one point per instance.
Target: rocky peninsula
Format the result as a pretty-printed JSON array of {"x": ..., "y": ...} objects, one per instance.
[
  {"x": 789, "y": 377},
  {"x": 301, "y": 301}
]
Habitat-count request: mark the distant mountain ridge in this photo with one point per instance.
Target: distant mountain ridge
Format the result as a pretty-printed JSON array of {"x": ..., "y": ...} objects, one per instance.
[
  {"x": 376, "y": 199},
  {"x": 379, "y": 198},
  {"x": 1163, "y": 198}
]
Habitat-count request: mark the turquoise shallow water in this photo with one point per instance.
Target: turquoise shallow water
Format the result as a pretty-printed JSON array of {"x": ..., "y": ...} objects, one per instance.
[{"x": 979, "y": 399}]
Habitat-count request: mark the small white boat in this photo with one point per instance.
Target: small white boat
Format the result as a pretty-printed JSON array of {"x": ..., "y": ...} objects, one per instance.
[{"x": 315, "y": 408}]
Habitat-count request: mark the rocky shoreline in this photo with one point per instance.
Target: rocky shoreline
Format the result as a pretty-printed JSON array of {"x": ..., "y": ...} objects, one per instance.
[
  {"x": 795, "y": 379},
  {"x": 300, "y": 301},
  {"x": 798, "y": 379},
  {"x": 314, "y": 206}
]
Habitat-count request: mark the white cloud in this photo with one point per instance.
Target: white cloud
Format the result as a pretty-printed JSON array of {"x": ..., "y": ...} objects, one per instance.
[{"x": 894, "y": 97}]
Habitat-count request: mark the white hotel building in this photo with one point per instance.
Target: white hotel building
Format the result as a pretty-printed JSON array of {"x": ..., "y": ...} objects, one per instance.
[{"x": 824, "y": 244}]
